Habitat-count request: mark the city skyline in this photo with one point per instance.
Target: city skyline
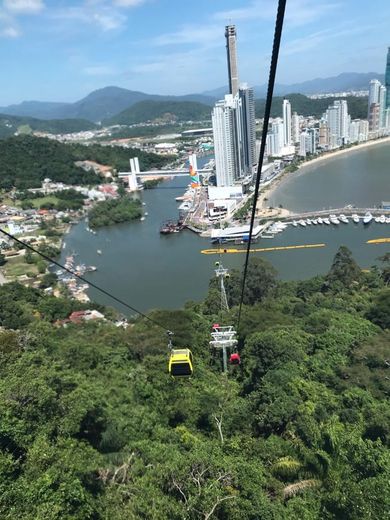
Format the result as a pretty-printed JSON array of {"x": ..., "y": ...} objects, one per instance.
[{"x": 52, "y": 50}]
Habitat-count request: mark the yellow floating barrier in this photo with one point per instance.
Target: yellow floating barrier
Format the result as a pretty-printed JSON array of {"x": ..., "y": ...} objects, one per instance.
[
  {"x": 378, "y": 241},
  {"x": 220, "y": 251}
]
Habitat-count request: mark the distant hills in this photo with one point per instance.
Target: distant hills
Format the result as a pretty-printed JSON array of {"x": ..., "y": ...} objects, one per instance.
[
  {"x": 9, "y": 125},
  {"x": 343, "y": 82},
  {"x": 99, "y": 105},
  {"x": 162, "y": 111},
  {"x": 105, "y": 103},
  {"x": 357, "y": 106},
  {"x": 115, "y": 103}
]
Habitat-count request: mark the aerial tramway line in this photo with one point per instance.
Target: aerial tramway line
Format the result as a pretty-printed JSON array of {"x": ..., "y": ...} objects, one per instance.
[{"x": 223, "y": 338}]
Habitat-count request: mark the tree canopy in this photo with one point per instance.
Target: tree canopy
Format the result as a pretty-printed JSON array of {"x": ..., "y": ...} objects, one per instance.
[{"x": 93, "y": 427}]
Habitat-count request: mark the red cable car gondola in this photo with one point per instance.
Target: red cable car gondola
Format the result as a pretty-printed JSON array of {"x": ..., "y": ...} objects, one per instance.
[{"x": 235, "y": 358}]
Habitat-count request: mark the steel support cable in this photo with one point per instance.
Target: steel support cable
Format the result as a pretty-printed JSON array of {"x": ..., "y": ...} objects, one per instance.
[
  {"x": 91, "y": 284},
  {"x": 270, "y": 90}
]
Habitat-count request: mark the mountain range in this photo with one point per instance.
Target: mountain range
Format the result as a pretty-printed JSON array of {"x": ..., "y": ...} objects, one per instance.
[
  {"x": 346, "y": 81},
  {"x": 103, "y": 104}
]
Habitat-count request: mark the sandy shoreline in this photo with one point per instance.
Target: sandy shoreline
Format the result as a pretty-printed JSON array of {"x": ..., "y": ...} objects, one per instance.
[{"x": 267, "y": 192}]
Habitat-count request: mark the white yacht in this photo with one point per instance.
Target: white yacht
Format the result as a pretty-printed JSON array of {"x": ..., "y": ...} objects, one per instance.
[
  {"x": 326, "y": 221},
  {"x": 387, "y": 220},
  {"x": 377, "y": 219},
  {"x": 294, "y": 223},
  {"x": 308, "y": 222},
  {"x": 382, "y": 219},
  {"x": 320, "y": 221},
  {"x": 333, "y": 219},
  {"x": 343, "y": 218},
  {"x": 355, "y": 218},
  {"x": 302, "y": 223},
  {"x": 315, "y": 221},
  {"x": 367, "y": 218}
]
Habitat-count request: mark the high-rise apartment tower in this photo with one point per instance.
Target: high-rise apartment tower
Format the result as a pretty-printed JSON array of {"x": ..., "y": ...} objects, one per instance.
[
  {"x": 230, "y": 34},
  {"x": 287, "y": 122},
  {"x": 387, "y": 79}
]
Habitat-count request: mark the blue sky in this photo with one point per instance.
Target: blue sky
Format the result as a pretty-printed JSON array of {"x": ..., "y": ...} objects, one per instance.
[{"x": 60, "y": 50}]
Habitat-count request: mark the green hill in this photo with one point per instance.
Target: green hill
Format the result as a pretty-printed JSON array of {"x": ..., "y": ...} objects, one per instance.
[
  {"x": 9, "y": 125},
  {"x": 93, "y": 427},
  {"x": 305, "y": 106},
  {"x": 162, "y": 111},
  {"x": 27, "y": 160}
]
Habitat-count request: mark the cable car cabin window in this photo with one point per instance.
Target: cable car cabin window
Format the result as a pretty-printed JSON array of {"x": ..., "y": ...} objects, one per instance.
[{"x": 181, "y": 369}]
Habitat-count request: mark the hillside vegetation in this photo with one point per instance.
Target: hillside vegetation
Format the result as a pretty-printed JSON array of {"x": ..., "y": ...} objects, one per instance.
[
  {"x": 11, "y": 124},
  {"x": 162, "y": 111},
  {"x": 357, "y": 107},
  {"x": 26, "y": 161},
  {"x": 92, "y": 426}
]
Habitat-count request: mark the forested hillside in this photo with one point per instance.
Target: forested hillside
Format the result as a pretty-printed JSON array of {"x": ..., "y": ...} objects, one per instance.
[
  {"x": 11, "y": 124},
  {"x": 92, "y": 426},
  {"x": 26, "y": 161},
  {"x": 357, "y": 106},
  {"x": 162, "y": 111}
]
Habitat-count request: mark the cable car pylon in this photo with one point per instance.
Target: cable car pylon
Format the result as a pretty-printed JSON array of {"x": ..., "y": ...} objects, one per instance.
[{"x": 223, "y": 337}]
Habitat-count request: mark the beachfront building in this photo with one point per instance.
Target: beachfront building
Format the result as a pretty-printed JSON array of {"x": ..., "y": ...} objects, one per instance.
[
  {"x": 308, "y": 142},
  {"x": 323, "y": 135},
  {"x": 387, "y": 79},
  {"x": 376, "y": 114},
  {"x": 275, "y": 138},
  {"x": 287, "y": 122},
  {"x": 295, "y": 128},
  {"x": 338, "y": 120},
  {"x": 225, "y": 141}
]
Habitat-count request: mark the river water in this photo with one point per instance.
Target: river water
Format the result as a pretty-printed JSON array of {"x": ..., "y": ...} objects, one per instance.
[{"x": 149, "y": 271}]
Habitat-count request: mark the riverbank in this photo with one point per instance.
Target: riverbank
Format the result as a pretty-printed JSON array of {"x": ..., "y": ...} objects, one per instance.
[{"x": 264, "y": 211}]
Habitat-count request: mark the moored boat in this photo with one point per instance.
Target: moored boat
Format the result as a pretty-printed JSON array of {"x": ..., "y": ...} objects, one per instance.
[
  {"x": 343, "y": 218},
  {"x": 356, "y": 218},
  {"x": 367, "y": 218}
]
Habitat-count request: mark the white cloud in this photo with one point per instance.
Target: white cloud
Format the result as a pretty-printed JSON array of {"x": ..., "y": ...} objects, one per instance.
[
  {"x": 204, "y": 35},
  {"x": 99, "y": 70},
  {"x": 24, "y": 6},
  {"x": 9, "y": 32},
  {"x": 100, "y": 15},
  {"x": 128, "y": 3}
]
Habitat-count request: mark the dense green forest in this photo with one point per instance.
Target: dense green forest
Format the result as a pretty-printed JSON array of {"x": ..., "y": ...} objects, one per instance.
[
  {"x": 26, "y": 161},
  {"x": 162, "y": 111},
  {"x": 11, "y": 124},
  {"x": 357, "y": 106},
  {"x": 114, "y": 211},
  {"x": 92, "y": 426}
]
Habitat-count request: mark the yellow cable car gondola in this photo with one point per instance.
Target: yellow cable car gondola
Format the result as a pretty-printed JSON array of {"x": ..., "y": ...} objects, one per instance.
[{"x": 181, "y": 363}]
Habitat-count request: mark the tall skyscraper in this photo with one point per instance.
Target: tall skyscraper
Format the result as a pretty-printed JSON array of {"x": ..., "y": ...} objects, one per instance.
[
  {"x": 382, "y": 106},
  {"x": 246, "y": 129},
  {"x": 295, "y": 128},
  {"x": 230, "y": 35},
  {"x": 387, "y": 79},
  {"x": 234, "y": 125},
  {"x": 373, "y": 94},
  {"x": 225, "y": 141},
  {"x": 287, "y": 122}
]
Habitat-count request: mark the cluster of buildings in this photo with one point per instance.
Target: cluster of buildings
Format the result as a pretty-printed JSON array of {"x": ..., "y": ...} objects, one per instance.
[
  {"x": 234, "y": 125},
  {"x": 295, "y": 135}
]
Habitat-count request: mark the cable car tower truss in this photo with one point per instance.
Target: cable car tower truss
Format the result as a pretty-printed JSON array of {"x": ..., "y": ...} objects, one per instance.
[{"x": 223, "y": 338}]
